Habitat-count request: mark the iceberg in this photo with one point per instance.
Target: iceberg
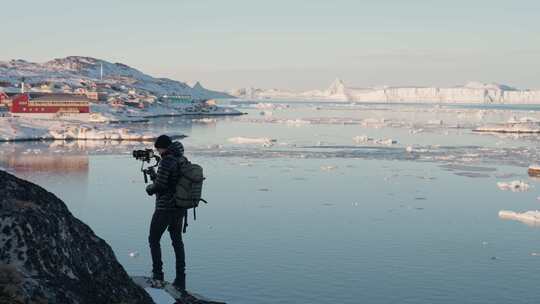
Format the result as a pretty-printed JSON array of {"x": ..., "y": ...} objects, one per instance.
[
  {"x": 531, "y": 218},
  {"x": 514, "y": 186},
  {"x": 328, "y": 168},
  {"x": 472, "y": 92}
]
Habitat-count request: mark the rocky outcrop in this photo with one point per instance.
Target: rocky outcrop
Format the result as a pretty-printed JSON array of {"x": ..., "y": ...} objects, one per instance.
[{"x": 49, "y": 256}]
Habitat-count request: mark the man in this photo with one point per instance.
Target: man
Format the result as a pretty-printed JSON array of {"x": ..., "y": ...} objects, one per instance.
[{"x": 167, "y": 215}]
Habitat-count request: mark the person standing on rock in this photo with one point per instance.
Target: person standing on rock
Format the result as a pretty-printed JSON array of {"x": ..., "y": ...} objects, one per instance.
[{"x": 166, "y": 214}]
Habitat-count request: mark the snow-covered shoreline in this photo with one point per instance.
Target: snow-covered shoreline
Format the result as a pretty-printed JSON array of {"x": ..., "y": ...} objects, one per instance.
[
  {"x": 104, "y": 123},
  {"x": 105, "y": 113},
  {"x": 24, "y": 129}
]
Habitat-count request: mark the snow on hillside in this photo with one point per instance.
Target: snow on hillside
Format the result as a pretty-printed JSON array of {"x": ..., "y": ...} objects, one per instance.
[
  {"x": 76, "y": 70},
  {"x": 472, "y": 92}
]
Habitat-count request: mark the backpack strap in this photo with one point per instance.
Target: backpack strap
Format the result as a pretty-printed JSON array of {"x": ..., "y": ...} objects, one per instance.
[{"x": 184, "y": 230}]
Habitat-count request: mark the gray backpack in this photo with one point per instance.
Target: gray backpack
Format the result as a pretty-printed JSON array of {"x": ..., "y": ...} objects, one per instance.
[{"x": 189, "y": 188}]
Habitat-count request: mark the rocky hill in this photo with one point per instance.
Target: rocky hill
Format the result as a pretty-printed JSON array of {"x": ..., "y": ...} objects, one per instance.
[
  {"x": 49, "y": 256},
  {"x": 77, "y": 71}
]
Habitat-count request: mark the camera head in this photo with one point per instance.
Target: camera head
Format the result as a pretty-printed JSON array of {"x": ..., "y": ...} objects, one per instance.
[{"x": 145, "y": 155}]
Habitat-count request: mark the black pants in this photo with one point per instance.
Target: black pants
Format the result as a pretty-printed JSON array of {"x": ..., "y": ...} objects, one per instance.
[{"x": 171, "y": 220}]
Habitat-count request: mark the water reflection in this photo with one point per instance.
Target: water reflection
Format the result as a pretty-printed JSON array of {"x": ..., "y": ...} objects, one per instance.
[
  {"x": 64, "y": 173},
  {"x": 29, "y": 163}
]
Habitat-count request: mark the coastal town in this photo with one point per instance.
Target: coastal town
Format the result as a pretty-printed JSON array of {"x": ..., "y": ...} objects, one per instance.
[
  {"x": 79, "y": 98},
  {"x": 50, "y": 101}
]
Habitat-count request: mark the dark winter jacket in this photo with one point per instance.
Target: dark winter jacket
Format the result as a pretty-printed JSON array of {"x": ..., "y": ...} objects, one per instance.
[{"x": 168, "y": 173}]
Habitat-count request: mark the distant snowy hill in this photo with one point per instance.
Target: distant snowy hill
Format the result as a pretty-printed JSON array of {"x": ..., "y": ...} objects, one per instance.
[
  {"x": 472, "y": 92},
  {"x": 76, "y": 70}
]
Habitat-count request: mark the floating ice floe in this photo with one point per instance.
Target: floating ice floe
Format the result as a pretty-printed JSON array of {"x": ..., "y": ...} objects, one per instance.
[
  {"x": 205, "y": 120},
  {"x": 513, "y": 119},
  {"x": 328, "y": 168},
  {"x": 517, "y": 127},
  {"x": 514, "y": 186},
  {"x": 374, "y": 122},
  {"x": 437, "y": 122},
  {"x": 271, "y": 106},
  {"x": 297, "y": 122},
  {"x": 534, "y": 170},
  {"x": 262, "y": 105},
  {"x": 265, "y": 141},
  {"x": 531, "y": 218},
  {"x": 363, "y": 139}
]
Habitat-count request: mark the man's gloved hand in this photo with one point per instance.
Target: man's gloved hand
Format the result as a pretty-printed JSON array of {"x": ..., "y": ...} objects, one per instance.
[{"x": 150, "y": 189}]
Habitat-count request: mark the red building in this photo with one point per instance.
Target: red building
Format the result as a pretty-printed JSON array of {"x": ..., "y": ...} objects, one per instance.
[
  {"x": 49, "y": 105},
  {"x": 3, "y": 98}
]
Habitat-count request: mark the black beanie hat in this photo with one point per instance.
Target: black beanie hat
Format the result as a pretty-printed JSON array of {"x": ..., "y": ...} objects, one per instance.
[{"x": 163, "y": 142}]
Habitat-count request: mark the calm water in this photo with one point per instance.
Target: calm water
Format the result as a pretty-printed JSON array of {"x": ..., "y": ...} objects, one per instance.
[{"x": 319, "y": 218}]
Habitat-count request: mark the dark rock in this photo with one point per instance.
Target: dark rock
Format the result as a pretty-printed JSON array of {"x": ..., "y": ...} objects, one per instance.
[{"x": 49, "y": 256}]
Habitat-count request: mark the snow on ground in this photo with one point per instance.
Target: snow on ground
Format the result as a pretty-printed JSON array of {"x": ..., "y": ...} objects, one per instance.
[
  {"x": 531, "y": 218},
  {"x": 160, "y": 296}
]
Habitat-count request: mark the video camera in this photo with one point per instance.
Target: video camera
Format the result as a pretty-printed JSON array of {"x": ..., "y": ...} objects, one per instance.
[{"x": 146, "y": 156}]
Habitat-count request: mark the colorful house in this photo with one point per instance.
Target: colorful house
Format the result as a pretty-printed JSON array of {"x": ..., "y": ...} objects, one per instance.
[{"x": 50, "y": 105}]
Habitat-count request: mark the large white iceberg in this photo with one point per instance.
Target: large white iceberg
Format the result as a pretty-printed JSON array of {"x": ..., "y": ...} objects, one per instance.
[{"x": 472, "y": 92}]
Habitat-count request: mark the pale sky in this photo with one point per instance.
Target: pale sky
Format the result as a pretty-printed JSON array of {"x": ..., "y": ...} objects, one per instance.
[{"x": 296, "y": 44}]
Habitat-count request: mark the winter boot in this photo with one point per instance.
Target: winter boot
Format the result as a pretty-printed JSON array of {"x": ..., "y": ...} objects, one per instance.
[{"x": 157, "y": 280}]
